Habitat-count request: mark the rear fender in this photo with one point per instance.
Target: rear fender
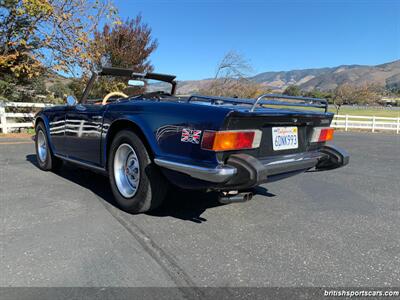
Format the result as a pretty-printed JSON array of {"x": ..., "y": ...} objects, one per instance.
[
  {"x": 130, "y": 122},
  {"x": 162, "y": 124}
]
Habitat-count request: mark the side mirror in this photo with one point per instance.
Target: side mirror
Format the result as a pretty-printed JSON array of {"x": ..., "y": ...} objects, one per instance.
[
  {"x": 135, "y": 83},
  {"x": 71, "y": 100}
]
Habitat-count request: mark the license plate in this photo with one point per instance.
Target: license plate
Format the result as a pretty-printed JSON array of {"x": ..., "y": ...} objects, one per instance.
[{"x": 284, "y": 138}]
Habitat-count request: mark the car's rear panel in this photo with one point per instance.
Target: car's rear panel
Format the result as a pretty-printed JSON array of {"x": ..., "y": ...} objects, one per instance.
[
  {"x": 265, "y": 120},
  {"x": 238, "y": 127}
]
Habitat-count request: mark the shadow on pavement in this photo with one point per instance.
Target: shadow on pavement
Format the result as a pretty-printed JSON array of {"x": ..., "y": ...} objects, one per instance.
[{"x": 181, "y": 204}]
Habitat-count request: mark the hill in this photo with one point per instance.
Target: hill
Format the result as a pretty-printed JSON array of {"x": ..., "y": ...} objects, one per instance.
[{"x": 324, "y": 79}]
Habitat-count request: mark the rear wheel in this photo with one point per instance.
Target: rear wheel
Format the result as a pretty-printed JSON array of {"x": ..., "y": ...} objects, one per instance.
[
  {"x": 45, "y": 159},
  {"x": 137, "y": 183}
]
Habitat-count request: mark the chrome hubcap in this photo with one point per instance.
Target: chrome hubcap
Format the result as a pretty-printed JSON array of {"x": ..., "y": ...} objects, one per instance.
[
  {"x": 41, "y": 146},
  {"x": 126, "y": 170}
]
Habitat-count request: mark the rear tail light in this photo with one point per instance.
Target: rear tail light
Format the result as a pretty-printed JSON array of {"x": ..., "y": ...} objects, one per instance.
[
  {"x": 231, "y": 140},
  {"x": 322, "y": 134}
]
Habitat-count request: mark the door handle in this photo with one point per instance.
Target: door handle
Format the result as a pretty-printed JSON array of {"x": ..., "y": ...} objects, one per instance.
[
  {"x": 97, "y": 117},
  {"x": 80, "y": 107}
]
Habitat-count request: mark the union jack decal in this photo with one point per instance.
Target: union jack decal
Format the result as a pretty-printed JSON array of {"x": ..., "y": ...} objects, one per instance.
[{"x": 191, "y": 136}]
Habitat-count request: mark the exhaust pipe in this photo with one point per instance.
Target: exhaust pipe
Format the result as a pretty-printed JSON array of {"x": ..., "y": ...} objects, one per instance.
[{"x": 234, "y": 197}]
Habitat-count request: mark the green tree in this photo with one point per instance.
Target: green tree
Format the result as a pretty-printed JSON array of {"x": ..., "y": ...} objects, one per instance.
[
  {"x": 77, "y": 86},
  {"x": 39, "y": 86},
  {"x": 292, "y": 90},
  {"x": 315, "y": 93},
  {"x": 60, "y": 90}
]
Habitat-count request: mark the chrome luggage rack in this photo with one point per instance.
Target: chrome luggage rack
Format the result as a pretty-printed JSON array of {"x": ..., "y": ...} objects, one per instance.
[{"x": 273, "y": 99}]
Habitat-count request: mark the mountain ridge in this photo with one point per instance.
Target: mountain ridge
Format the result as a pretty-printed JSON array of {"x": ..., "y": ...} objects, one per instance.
[{"x": 324, "y": 79}]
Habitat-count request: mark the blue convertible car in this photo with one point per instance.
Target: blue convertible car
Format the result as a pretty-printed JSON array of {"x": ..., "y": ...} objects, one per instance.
[{"x": 146, "y": 142}]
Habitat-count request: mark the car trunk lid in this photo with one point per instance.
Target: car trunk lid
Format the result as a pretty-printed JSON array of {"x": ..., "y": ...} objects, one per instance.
[{"x": 267, "y": 119}]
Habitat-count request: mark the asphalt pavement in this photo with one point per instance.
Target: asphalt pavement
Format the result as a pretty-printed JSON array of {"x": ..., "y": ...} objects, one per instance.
[{"x": 336, "y": 228}]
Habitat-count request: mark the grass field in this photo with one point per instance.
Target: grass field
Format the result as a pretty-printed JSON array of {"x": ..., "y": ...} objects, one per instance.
[
  {"x": 354, "y": 111},
  {"x": 367, "y": 112}
]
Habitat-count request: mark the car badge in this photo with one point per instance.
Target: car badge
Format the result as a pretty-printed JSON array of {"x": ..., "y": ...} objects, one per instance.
[{"x": 190, "y": 136}]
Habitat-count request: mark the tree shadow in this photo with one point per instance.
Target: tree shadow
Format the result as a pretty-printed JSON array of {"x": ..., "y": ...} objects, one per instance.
[{"x": 181, "y": 204}]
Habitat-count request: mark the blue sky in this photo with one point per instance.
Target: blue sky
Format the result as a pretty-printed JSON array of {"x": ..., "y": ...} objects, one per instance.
[{"x": 275, "y": 35}]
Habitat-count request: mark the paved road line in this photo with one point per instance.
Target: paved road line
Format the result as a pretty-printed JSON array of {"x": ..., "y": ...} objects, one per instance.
[
  {"x": 164, "y": 260},
  {"x": 15, "y": 143}
]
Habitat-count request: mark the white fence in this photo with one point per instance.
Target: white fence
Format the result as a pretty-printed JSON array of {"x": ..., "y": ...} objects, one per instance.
[
  {"x": 339, "y": 121},
  {"x": 365, "y": 122},
  {"x": 5, "y": 125}
]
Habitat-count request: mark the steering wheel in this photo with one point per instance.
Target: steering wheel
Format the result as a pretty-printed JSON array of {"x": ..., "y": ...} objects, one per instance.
[{"x": 112, "y": 94}]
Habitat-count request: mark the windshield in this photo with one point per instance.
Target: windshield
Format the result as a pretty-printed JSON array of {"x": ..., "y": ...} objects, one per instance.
[
  {"x": 158, "y": 86},
  {"x": 119, "y": 86}
]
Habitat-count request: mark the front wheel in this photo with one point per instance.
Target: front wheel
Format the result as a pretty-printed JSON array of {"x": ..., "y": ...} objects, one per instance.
[
  {"x": 45, "y": 158},
  {"x": 136, "y": 182}
]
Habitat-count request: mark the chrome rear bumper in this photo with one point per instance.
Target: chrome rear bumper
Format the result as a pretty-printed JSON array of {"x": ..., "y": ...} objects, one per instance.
[
  {"x": 218, "y": 174},
  {"x": 246, "y": 170}
]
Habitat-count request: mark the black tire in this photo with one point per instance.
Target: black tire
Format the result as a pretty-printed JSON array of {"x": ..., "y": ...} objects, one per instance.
[
  {"x": 152, "y": 185},
  {"x": 50, "y": 162}
]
